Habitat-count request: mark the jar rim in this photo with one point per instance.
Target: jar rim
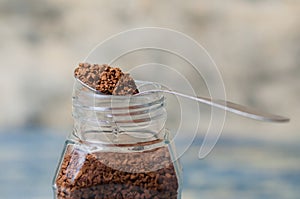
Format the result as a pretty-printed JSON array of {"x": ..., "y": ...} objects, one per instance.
[{"x": 142, "y": 85}]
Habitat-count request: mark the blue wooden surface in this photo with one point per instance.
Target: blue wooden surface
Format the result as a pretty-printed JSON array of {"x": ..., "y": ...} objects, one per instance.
[{"x": 235, "y": 169}]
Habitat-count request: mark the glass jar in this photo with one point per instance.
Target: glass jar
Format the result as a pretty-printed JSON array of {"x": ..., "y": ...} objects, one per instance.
[{"x": 119, "y": 148}]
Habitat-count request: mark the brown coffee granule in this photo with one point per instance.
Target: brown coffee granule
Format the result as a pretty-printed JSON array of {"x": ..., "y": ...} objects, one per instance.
[
  {"x": 109, "y": 79},
  {"x": 89, "y": 73},
  {"x": 125, "y": 86},
  {"x": 112, "y": 175},
  {"x": 106, "y": 79}
]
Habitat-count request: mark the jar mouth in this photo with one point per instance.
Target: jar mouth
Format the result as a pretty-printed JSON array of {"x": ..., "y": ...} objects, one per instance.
[
  {"x": 141, "y": 85},
  {"x": 154, "y": 98}
]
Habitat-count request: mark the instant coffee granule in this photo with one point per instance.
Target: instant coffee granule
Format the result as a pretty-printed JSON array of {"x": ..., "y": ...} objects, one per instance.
[
  {"x": 106, "y": 79},
  {"x": 111, "y": 175}
]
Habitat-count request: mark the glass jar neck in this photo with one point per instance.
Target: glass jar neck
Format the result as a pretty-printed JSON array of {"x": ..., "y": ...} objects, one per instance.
[{"x": 119, "y": 119}]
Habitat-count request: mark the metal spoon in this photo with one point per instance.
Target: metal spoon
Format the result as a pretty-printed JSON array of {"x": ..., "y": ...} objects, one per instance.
[
  {"x": 222, "y": 104},
  {"x": 229, "y": 106}
]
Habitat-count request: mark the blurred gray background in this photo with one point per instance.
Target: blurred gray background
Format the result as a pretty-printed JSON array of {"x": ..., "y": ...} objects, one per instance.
[{"x": 255, "y": 43}]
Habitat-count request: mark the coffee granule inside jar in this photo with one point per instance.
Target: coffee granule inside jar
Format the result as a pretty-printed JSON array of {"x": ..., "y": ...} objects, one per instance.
[
  {"x": 106, "y": 79},
  {"x": 110, "y": 175}
]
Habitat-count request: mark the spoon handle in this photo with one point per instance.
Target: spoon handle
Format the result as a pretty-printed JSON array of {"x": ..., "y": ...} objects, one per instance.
[{"x": 229, "y": 106}]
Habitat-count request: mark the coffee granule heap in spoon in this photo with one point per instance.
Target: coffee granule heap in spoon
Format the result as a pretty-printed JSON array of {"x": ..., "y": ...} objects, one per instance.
[{"x": 106, "y": 79}]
